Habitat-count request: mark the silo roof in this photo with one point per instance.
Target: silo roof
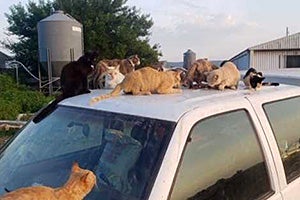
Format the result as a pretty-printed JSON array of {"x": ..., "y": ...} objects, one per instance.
[{"x": 59, "y": 16}]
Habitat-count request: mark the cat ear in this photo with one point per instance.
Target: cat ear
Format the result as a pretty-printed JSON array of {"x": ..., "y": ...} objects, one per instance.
[
  {"x": 178, "y": 74},
  {"x": 75, "y": 167},
  {"x": 260, "y": 73},
  {"x": 117, "y": 67},
  {"x": 85, "y": 177}
]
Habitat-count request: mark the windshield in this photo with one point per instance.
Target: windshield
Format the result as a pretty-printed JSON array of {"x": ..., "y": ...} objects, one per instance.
[{"x": 123, "y": 151}]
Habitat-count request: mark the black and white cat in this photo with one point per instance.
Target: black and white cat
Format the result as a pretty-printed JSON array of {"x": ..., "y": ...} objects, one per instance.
[{"x": 254, "y": 80}]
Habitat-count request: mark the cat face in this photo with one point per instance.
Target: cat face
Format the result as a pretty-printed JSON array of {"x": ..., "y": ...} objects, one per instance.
[
  {"x": 177, "y": 78},
  {"x": 90, "y": 59},
  {"x": 249, "y": 72},
  {"x": 135, "y": 60},
  {"x": 196, "y": 72},
  {"x": 256, "y": 81},
  {"x": 112, "y": 72},
  {"x": 213, "y": 78},
  {"x": 81, "y": 179}
]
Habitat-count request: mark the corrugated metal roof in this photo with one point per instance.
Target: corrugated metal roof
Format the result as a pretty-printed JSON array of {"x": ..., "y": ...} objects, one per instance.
[
  {"x": 287, "y": 42},
  {"x": 59, "y": 16}
]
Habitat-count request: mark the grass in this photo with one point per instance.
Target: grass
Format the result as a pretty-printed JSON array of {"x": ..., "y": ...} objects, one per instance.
[
  {"x": 7, "y": 133},
  {"x": 15, "y": 99}
]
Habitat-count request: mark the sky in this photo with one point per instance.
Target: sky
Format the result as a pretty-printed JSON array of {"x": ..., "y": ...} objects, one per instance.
[{"x": 213, "y": 29}]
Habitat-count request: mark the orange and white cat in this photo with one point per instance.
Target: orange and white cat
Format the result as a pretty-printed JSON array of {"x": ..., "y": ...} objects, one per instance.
[
  {"x": 146, "y": 81},
  {"x": 79, "y": 184},
  {"x": 113, "y": 77}
]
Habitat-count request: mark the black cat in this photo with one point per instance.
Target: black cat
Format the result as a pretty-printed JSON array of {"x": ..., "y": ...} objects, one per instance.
[
  {"x": 74, "y": 75},
  {"x": 73, "y": 80},
  {"x": 254, "y": 80}
]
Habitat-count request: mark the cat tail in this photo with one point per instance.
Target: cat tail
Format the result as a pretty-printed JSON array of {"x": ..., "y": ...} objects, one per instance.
[
  {"x": 47, "y": 110},
  {"x": 270, "y": 84},
  {"x": 117, "y": 90}
]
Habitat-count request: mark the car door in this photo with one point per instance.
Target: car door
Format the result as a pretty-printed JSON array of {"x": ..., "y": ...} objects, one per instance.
[
  {"x": 280, "y": 117},
  {"x": 218, "y": 151}
]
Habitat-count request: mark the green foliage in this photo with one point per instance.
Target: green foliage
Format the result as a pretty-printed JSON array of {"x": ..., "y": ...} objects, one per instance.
[
  {"x": 8, "y": 110},
  {"x": 109, "y": 26},
  {"x": 112, "y": 28},
  {"x": 18, "y": 99},
  {"x": 23, "y": 24},
  {"x": 7, "y": 133}
]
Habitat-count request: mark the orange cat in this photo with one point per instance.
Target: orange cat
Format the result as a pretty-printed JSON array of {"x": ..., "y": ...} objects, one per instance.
[
  {"x": 80, "y": 183},
  {"x": 146, "y": 81}
]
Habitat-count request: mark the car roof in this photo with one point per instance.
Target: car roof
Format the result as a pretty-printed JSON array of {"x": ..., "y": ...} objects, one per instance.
[
  {"x": 285, "y": 72},
  {"x": 169, "y": 106}
]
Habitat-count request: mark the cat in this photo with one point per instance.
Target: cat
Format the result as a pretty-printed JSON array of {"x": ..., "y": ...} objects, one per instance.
[
  {"x": 254, "y": 80},
  {"x": 227, "y": 75},
  {"x": 74, "y": 75},
  {"x": 146, "y": 81},
  {"x": 126, "y": 66},
  {"x": 73, "y": 80},
  {"x": 113, "y": 77},
  {"x": 79, "y": 184},
  {"x": 196, "y": 73},
  {"x": 110, "y": 77},
  {"x": 159, "y": 66}
]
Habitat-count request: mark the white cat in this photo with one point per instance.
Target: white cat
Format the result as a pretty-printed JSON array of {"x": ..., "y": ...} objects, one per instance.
[{"x": 113, "y": 77}]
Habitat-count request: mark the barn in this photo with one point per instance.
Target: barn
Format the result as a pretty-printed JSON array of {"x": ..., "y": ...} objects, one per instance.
[{"x": 276, "y": 54}]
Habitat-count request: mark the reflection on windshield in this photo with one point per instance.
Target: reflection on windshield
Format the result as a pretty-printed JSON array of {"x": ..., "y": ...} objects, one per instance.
[{"x": 123, "y": 151}]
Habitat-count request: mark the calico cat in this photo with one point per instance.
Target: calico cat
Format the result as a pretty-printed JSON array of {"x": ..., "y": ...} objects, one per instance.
[
  {"x": 226, "y": 76},
  {"x": 79, "y": 184},
  {"x": 196, "y": 73},
  {"x": 146, "y": 81},
  {"x": 73, "y": 80},
  {"x": 254, "y": 80}
]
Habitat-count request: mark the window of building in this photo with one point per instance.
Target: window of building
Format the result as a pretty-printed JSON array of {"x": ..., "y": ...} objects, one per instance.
[
  {"x": 293, "y": 62},
  {"x": 222, "y": 160},
  {"x": 284, "y": 117}
]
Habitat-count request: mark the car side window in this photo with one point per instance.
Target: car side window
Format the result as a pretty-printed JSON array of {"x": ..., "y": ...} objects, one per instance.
[
  {"x": 284, "y": 117},
  {"x": 222, "y": 160}
]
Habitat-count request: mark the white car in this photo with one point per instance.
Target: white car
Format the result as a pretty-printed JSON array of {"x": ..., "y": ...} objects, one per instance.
[{"x": 200, "y": 144}]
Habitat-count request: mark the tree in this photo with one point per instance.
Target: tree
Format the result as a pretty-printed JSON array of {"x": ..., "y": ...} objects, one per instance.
[
  {"x": 109, "y": 26},
  {"x": 114, "y": 29},
  {"x": 23, "y": 24}
]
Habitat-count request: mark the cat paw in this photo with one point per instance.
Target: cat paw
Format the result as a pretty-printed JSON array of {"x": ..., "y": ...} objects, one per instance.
[{"x": 222, "y": 88}]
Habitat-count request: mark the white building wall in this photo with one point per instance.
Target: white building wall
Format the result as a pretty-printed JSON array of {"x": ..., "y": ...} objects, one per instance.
[{"x": 269, "y": 60}]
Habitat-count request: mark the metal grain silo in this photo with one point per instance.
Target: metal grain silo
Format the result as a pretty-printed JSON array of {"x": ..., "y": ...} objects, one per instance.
[
  {"x": 60, "y": 41},
  {"x": 188, "y": 58}
]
